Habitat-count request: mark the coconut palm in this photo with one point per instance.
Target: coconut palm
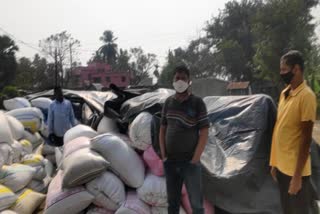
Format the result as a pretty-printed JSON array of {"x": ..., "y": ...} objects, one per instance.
[{"x": 109, "y": 49}]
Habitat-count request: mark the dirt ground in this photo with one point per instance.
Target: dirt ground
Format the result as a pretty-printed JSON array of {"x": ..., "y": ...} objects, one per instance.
[{"x": 316, "y": 131}]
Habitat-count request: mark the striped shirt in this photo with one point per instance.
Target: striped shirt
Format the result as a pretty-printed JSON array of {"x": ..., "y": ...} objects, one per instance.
[{"x": 183, "y": 121}]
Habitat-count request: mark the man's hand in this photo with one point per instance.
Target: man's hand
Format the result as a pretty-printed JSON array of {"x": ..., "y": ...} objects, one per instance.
[
  {"x": 195, "y": 160},
  {"x": 295, "y": 185},
  {"x": 274, "y": 173}
]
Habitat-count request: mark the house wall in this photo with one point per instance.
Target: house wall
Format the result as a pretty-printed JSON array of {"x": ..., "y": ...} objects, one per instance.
[
  {"x": 99, "y": 73},
  {"x": 209, "y": 87}
]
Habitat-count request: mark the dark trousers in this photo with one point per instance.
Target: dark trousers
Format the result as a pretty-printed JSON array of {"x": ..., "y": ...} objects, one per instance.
[
  {"x": 302, "y": 203},
  {"x": 55, "y": 141},
  {"x": 177, "y": 173}
]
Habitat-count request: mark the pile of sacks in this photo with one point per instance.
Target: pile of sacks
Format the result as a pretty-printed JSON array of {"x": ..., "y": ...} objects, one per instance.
[
  {"x": 96, "y": 171},
  {"x": 104, "y": 171},
  {"x": 25, "y": 172}
]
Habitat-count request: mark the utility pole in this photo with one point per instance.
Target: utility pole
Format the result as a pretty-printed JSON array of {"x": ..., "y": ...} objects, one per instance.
[
  {"x": 56, "y": 66},
  {"x": 70, "y": 72}
]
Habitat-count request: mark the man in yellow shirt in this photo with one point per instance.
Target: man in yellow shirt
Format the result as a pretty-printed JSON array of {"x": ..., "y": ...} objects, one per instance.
[{"x": 292, "y": 136}]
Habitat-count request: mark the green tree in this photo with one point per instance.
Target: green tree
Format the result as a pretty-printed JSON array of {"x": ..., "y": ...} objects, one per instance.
[
  {"x": 32, "y": 75},
  {"x": 246, "y": 40},
  {"x": 174, "y": 59},
  {"x": 312, "y": 69},
  {"x": 232, "y": 38},
  {"x": 41, "y": 77},
  {"x": 282, "y": 25},
  {"x": 122, "y": 63},
  {"x": 198, "y": 56},
  {"x": 8, "y": 63},
  {"x": 109, "y": 49},
  {"x": 10, "y": 92},
  {"x": 142, "y": 64},
  {"x": 25, "y": 74}
]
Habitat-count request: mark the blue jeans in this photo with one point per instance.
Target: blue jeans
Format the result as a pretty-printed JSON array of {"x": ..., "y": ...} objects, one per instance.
[{"x": 178, "y": 172}]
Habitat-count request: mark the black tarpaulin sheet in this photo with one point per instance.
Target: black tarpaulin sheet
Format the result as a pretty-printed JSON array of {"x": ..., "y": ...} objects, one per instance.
[
  {"x": 236, "y": 159},
  {"x": 150, "y": 101}
]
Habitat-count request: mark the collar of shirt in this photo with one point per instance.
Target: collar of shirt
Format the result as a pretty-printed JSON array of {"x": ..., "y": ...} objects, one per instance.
[
  {"x": 184, "y": 99},
  {"x": 296, "y": 91},
  {"x": 56, "y": 101}
]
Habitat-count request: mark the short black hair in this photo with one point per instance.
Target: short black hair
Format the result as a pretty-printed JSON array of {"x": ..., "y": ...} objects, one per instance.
[
  {"x": 182, "y": 69},
  {"x": 293, "y": 58},
  {"x": 57, "y": 89}
]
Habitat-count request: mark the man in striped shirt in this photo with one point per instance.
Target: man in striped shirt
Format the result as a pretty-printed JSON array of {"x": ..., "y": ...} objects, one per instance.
[{"x": 183, "y": 136}]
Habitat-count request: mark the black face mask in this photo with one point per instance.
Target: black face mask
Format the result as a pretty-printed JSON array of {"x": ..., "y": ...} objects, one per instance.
[{"x": 287, "y": 77}]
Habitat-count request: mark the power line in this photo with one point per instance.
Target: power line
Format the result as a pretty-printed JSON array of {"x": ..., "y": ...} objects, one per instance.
[
  {"x": 22, "y": 42},
  {"x": 83, "y": 50}
]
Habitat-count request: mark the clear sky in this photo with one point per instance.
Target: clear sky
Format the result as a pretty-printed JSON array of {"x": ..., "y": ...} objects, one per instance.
[{"x": 155, "y": 25}]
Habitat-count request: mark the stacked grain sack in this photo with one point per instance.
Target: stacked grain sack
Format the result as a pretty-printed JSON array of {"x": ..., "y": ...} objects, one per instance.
[
  {"x": 24, "y": 173},
  {"x": 95, "y": 173}
]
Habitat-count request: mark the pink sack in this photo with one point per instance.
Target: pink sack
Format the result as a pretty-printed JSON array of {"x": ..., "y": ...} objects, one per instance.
[
  {"x": 153, "y": 161},
  {"x": 208, "y": 208}
]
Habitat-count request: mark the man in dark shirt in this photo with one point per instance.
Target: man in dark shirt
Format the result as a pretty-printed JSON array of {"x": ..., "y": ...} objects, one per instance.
[{"x": 183, "y": 136}]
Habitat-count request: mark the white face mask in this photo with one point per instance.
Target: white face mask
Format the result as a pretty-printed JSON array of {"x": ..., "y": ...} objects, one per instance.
[{"x": 180, "y": 86}]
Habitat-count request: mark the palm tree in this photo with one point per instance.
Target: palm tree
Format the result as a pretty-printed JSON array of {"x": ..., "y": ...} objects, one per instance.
[{"x": 109, "y": 49}]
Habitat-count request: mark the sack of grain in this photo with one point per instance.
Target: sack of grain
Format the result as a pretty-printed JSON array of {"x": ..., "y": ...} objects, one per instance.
[
  {"x": 16, "y": 103},
  {"x": 28, "y": 201},
  {"x": 98, "y": 210},
  {"x": 153, "y": 191},
  {"x": 7, "y": 197},
  {"x": 107, "y": 125},
  {"x": 153, "y": 161},
  {"x": 31, "y": 118},
  {"x": 16, "y": 127},
  {"x": 16, "y": 176},
  {"x": 61, "y": 200},
  {"x": 41, "y": 102},
  {"x": 59, "y": 156},
  {"x": 5, "y": 131},
  {"x": 133, "y": 205},
  {"x": 140, "y": 131},
  {"x": 81, "y": 167},
  {"x": 108, "y": 190},
  {"x": 17, "y": 149},
  {"x": 38, "y": 163},
  {"x": 79, "y": 131},
  {"x": 6, "y": 154},
  {"x": 124, "y": 161},
  {"x": 26, "y": 146},
  {"x": 34, "y": 138},
  {"x": 75, "y": 145}
]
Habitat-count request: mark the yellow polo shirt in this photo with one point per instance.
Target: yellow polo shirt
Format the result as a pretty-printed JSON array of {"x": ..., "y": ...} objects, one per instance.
[{"x": 299, "y": 106}]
